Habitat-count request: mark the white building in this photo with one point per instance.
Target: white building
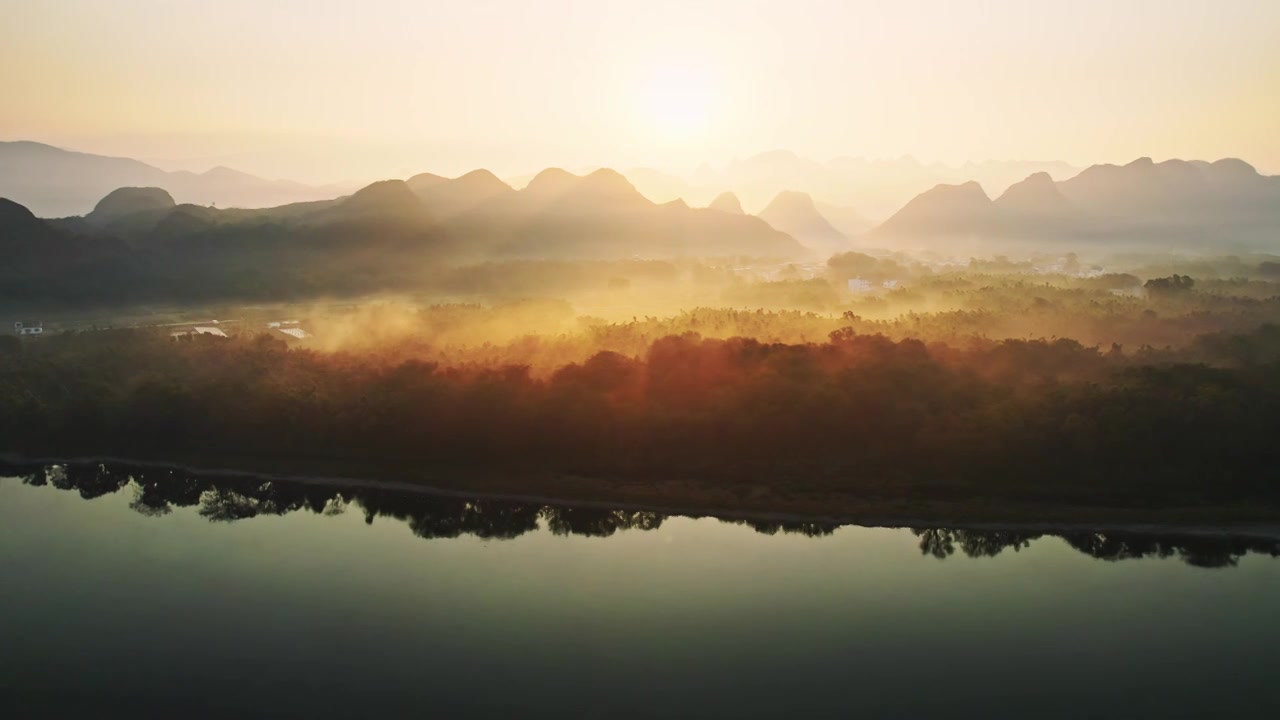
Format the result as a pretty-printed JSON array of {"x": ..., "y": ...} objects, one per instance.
[
  {"x": 28, "y": 328},
  {"x": 292, "y": 328},
  {"x": 202, "y": 330}
]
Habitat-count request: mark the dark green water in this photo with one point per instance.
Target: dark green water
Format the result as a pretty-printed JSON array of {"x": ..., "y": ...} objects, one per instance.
[{"x": 131, "y": 594}]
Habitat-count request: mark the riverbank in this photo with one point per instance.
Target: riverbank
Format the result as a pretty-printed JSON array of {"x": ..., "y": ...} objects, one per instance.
[{"x": 749, "y": 503}]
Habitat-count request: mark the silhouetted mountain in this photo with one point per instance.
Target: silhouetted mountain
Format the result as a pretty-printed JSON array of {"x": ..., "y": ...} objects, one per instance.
[
  {"x": 185, "y": 220},
  {"x": 1235, "y": 173},
  {"x": 1137, "y": 188},
  {"x": 727, "y": 202},
  {"x": 56, "y": 183},
  {"x": 608, "y": 186},
  {"x": 551, "y": 182},
  {"x": 1225, "y": 205},
  {"x": 945, "y": 210},
  {"x": 43, "y": 261},
  {"x": 424, "y": 182},
  {"x": 383, "y": 201},
  {"x": 23, "y": 237},
  {"x": 1036, "y": 197},
  {"x": 446, "y": 198},
  {"x": 880, "y": 186},
  {"x": 1175, "y": 191},
  {"x": 795, "y": 214},
  {"x": 560, "y": 214},
  {"x": 478, "y": 186},
  {"x": 126, "y": 201},
  {"x": 17, "y": 223}
]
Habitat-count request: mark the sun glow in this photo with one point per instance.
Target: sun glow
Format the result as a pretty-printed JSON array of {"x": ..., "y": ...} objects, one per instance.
[{"x": 679, "y": 100}]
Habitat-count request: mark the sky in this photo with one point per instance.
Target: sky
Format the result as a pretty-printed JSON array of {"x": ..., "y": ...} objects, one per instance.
[{"x": 336, "y": 91}]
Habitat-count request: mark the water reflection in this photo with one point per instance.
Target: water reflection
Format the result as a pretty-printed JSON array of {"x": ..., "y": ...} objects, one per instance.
[
  {"x": 1199, "y": 551},
  {"x": 225, "y": 499}
]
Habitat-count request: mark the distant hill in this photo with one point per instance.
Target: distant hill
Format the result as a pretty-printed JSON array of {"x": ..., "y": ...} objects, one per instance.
[
  {"x": 657, "y": 185},
  {"x": 961, "y": 209},
  {"x": 609, "y": 185},
  {"x": 446, "y": 197},
  {"x": 19, "y": 227},
  {"x": 795, "y": 214},
  {"x": 1225, "y": 205},
  {"x": 1037, "y": 196},
  {"x": 550, "y": 183},
  {"x": 876, "y": 187},
  {"x": 383, "y": 202},
  {"x": 53, "y": 182},
  {"x": 128, "y": 201},
  {"x": 727, "y": 203},
  {"x": 42, "y": 261},
  {"x": 1176, "y": 193}
]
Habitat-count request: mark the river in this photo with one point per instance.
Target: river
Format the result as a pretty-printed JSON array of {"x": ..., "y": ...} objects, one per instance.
[{"x": 126, "y": 593}]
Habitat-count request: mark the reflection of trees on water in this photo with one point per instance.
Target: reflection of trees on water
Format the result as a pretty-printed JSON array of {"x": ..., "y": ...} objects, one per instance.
[
  {"x": 811, "y": 529},
  {"x": 599, "y": 522},
  {"x": 942, "y": 542},
  {"x": 442, "y": 517},
  {"x": 1200, "y": 551},
  {"x": 225, "y": 499}
]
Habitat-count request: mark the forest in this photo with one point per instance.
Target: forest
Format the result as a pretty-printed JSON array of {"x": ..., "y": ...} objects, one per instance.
[{"x": 753, "y": 403}]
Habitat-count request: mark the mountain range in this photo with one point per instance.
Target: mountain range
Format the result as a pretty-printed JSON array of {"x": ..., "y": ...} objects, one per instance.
[
  {"x": 146, "y": 241},
  {"x": 389, "y": 235},
  {"x": 853, "y": 188},
  {"x": 558, "y": 214},
  {"x": 1187, "y": 204},
  {"x": 52, "y": 182},
  {"x": 875, "y": 189},
  {"x": 600, "y": 214}
]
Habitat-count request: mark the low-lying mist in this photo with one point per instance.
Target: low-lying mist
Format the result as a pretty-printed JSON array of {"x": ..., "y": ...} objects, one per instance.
[{"x": 547, "y": 314}]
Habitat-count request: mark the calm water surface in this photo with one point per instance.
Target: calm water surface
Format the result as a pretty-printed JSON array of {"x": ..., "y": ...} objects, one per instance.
[{"x": 132, "y": 594}]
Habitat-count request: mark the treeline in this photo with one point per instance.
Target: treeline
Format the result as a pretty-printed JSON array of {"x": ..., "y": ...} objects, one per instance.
[
  {"x": 222, "y": 499},
  {"x": 1030, "y": 420}
]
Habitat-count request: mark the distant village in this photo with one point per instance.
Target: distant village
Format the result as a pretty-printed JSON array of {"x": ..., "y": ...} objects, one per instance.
[{"x": 289, "y": 330}]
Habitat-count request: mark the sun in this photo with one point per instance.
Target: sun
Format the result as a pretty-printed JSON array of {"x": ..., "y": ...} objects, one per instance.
[{"x": 678, "y": 101}]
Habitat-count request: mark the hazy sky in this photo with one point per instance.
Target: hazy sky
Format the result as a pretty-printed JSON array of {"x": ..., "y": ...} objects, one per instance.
[{"x": 322, "y": 90}]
